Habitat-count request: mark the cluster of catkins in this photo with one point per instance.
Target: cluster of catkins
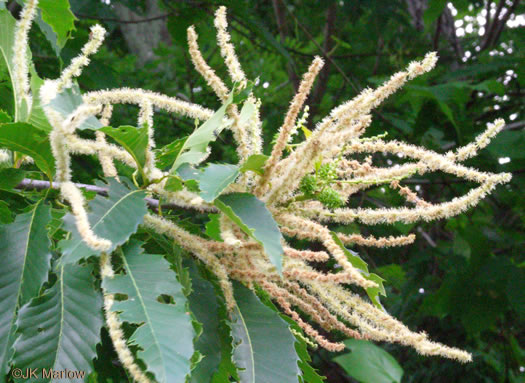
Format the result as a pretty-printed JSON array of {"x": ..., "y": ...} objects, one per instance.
[{"x": 303, "y": 185}]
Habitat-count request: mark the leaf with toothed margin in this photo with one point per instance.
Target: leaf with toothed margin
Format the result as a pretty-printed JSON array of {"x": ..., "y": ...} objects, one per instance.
[
  {"x": 25, "y": 262},
  {"x": 60, "y": 329},
  {"x": 114, "y": 218},
  {"x": 31, "y": 141},
  {"x": 259, "y": 357},
  {"x": 359, "y": 264},
  {"x": 165, "y": 332},
  {"x": 252, "y": 216},
  {"x": 204, "y": 305},
  {"x": 309, "y": 374}
]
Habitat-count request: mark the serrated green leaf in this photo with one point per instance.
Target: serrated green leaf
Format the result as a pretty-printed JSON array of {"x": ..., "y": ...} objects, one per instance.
[
  {"x": 67, "y": 101},
  {"x": 10, "y": 177},
  {"x": 254, "y": 163},
  {"x": 25, "y": 138},
  {"x": 212, "y": 180},
  {"x": 241, "y": 95},
  {"x": 358, "y": 263},
  {"x": 5, "y": 117},
  {"x": 115, "y": 218},
  {"x": 57, "y": 14},
  {"x": 369, "y": 363},
  {"x": 5, "y": 213},
  {"x": 134, "y": 140},
  {"x": 252, "y": 216},
  {"x": 213, "y": 227},
  {"x": 24, "y": 261},
  {"x": 215, "y": 178},
  {"x": 309, "y": 375},
  {"x": 37, "y": 117},
  {"x": 60, "y": 329},
  {"x": 167, "y": 155},
  {"x": 204, "y": 305},
  {"x": 259, "y": 357},
  {"x": 195, "y": 146},
  {"x": 165, "y": 333}
]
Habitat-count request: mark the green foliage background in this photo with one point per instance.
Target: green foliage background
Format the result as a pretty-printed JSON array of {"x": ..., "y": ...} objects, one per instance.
[{"x": 463, "y": 280}]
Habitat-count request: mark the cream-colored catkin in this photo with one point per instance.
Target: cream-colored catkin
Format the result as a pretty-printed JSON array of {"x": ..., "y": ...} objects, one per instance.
[
  {"x": 146, "y": 119},
  {"x": 372, "y": 241},
  {"x": 96, "y": 37},
  {"x": 138, "y": 96},
  {"x": 108, "y": 167},
  {"x": 227, "y": 49},
  {"x": 357, "y": 107},
  {"x": 227, "y": 233},
  {"x": 379, "y": 325},
  {"x": 409, "y": 195},
  {"x": 115, "y": 326},
  {"x": 21, "y": 53},
  {"x": 289, "y": 121},
  {"x": 71, "y": 193},
  {"x": 403, "y": 214},
  {"x": 203, "y": 68},
  {"x": 479, "y": 143}
]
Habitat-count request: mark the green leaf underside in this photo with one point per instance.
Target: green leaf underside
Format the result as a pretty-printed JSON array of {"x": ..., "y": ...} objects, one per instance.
[
  {"x": 70, "y": 99},
  {"x": 27, "y": 139},
  {"x": 309, "y": 375},
  {"x": 204, "y": 305},
  {"x": 61, "y": 328},
  {"x": 134, "y": 140},
  {"x": 24, "y": 261},
  {"x": 165, "y": 334},
  {"x": 358, "y": 263},
  {"x": 58, "y": 15},
  {"x": 215, "y": 178},
  {"x": 254, "y": 163},
  {"x": 254, "y": 219},
  {"x": 369, "y": 363},
  {"x": 264, "y": 348},
  {"x": 194, "y": 148},
  {"x": 114, "y": 218}
]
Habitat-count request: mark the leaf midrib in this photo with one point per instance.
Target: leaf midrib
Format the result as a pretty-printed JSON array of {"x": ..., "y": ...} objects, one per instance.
[
  {"x": 60, "y": 333},
  {"x": 143, "y": 305},
  {"x": 21, "y": 280},
  {"x": 249, "y": 342}
]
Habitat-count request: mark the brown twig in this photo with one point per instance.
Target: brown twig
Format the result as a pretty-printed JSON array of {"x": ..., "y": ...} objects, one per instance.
[{"x": 30, "y": 184}]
